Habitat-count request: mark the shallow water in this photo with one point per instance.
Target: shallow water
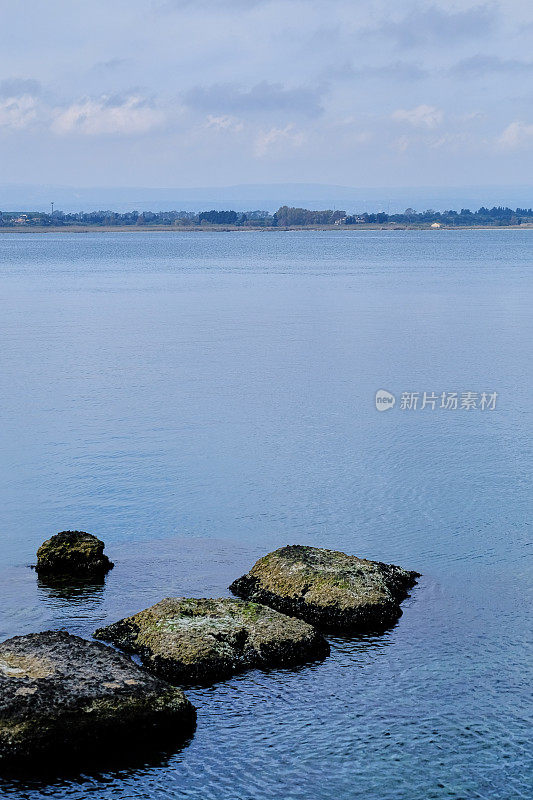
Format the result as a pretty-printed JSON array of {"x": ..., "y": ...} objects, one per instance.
[{"x": 199, "y": 399}]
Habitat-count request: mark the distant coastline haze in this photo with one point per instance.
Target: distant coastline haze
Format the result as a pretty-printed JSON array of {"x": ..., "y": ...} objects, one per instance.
[{"x": 265, "y": 197}]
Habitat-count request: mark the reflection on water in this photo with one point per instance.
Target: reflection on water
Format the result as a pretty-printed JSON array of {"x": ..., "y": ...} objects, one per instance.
[
  {"x": 69, "y": 591},
  {"x": 70, "y": 603},
  {"x": 94, "y": 769}
]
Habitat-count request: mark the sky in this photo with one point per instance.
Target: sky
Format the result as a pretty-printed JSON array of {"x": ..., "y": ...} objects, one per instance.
[{"x": 176, "y": 93}]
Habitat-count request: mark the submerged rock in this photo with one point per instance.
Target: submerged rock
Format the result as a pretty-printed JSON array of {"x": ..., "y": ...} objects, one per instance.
[
  {"x": 327, "y": 588},
  {"x": 186, "y": 640},
  {"x": 63, "y": 696},
  {"x": 73, "y": 553}
]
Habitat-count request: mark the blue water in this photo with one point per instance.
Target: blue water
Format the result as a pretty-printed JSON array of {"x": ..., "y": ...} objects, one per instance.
[{"x": 197, "y": 400}]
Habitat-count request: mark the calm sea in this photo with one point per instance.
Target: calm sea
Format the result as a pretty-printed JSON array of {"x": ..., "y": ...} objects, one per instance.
[{"x": 197, "y": 400}]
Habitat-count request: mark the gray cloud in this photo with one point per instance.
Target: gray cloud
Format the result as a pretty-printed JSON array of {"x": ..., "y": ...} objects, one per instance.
[
  {"x": 111, "y": 64},
  {"x": 18, "y": 87},
  {"x": 263, "y": 97},
  {"x": 398, "y": 70},
  {"x": 227, "y": 6},
  {"x": 435, "y": 26},
  {"x": 480, "y": 65}
]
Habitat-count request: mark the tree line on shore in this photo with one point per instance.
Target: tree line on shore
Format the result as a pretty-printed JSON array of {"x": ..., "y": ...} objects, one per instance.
[{"x": 284, "y": 217}]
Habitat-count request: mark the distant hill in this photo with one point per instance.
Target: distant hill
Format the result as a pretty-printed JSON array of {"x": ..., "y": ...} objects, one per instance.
[{"x": 267, "y": 197}]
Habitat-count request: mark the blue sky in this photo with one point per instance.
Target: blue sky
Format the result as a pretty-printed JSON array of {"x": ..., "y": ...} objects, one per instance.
[{"x": 206, "y": 93}]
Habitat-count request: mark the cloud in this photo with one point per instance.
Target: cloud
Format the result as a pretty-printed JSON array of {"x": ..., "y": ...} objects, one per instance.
[
  {"x": 420, "y": 117},
  {"x": 277, "y": 138},
  {"x": 480, "y": 65},
  {"x": 108, "y": 115},
  {"x": 402, "y": 144},
  {"x": 19, "y": 87},
  {"x": 276, "y": 90},
  {"x": 435, "y": 26},
  {"x": 223, "y": 6},
  {"x": 224, "y": 123},
  {"x": 17, "y": 112},
  {"x": 398, "y": 71},
  {"x": 517, "y": 135},
  {"x": 111, "y": 64},
  {"x": 263, "y": 97},
  {"x": 18, "y": 102}
]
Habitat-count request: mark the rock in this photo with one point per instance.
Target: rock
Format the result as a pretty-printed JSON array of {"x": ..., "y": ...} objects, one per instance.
[
  {"x": 73, "y": 553},
  {"x": 187, "y": 641},
  {"x": 63, "y": 696},
  {"x": 329, "y": 589}
]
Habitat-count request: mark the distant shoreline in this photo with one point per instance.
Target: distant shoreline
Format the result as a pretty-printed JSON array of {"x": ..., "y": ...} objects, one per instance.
[{"x": 250, "y": 229}]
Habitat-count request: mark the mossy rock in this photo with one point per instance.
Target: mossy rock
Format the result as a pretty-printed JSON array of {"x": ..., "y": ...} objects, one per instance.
[
  {"x": 327, "y": 588},
  {"x": 189, "y": 640},
  {"x": 72, "y": 553},
  {"x": 62, "y": 697}
]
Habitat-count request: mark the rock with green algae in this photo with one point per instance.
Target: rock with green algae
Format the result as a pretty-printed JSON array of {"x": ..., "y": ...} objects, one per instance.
[
  {"x": 63, "y": 697},
  {"x": 72, "y": 553},
  {"x": 189, "y": 640},
  {"x": 327, "y": 588}
]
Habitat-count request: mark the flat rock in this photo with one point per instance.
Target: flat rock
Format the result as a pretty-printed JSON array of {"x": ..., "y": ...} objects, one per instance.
[
  {"x": 72, "y": 553},
  {"x": 187, "y": 640},
  {"x": 63, "y": 696},
  {"x": 327, "y": 588}
]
